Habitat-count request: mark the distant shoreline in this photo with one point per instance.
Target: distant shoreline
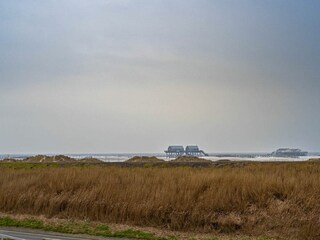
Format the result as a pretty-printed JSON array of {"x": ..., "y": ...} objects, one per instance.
[{"x": 121, "y": 157}]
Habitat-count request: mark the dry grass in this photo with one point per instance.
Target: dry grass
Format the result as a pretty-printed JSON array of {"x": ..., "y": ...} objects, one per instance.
[
  {"x": 274, "y": 199},
  {"x": 138, "y": 159},
  {"x": 190, "y": 159},
  {"x": 51, "y": 159},
  {"x": 48, "y": 159}
]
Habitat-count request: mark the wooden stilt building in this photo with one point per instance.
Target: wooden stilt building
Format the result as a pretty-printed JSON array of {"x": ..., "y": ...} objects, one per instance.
[{"x": 176, "y": 151}]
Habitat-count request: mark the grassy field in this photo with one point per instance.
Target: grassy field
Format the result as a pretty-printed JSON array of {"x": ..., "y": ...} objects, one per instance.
[{"x": 280, "y": 200}]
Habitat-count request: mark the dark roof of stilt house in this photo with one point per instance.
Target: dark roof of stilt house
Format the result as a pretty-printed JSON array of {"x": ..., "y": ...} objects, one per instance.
[
  {"x": 175, "y": 149},
  {"x": 192, "y": 148}
]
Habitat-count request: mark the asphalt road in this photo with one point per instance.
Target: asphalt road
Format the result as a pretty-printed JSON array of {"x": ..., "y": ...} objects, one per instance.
[{"x": 26, "y": 234}]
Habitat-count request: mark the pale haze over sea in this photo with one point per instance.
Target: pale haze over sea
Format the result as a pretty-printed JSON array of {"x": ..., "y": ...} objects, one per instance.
[{"x": 123, "y": 76}]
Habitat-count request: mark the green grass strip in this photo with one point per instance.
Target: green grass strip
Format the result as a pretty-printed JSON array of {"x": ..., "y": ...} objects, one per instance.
[{"x": 73, "y": 227}]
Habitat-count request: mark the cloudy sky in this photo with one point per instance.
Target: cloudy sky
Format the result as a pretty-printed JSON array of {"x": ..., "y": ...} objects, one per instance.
[{"x": 108, "y": 76}]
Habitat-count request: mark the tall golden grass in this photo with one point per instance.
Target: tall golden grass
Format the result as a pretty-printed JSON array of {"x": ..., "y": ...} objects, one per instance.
[{"x": 277, "y": 199}]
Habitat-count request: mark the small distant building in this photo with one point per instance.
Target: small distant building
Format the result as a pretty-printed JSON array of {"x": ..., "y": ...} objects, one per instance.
[
  {"x": 195, "y": 151},
  {"x": 289, "y": 152},
  {"x": 174, "y": 151}
]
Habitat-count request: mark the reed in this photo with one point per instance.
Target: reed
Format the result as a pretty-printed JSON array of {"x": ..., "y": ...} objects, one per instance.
[{"x": 277, "y": 199}]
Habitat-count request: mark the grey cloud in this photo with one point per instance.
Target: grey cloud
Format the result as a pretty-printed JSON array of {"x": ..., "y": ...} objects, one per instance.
[{"x": 138, "y": 75}]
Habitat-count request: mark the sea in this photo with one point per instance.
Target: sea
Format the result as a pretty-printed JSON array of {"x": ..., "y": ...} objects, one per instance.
[{"x": 122, "y": 157}]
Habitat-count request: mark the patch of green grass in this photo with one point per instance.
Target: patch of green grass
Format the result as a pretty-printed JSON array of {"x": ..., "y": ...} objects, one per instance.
[
  {"x": 27, "y": 223},
  {"x": 79, "y": 227},
  {"x": 23, "y": 165},
  {"x": 238, "y": 238},
  {"x": 31, "y": 223},
  {"x": 133, "y": 234},
  {"x": 6, "y": 221},
  {"x": 140, "y": 235},
  {"x": 74, "y": 227}
]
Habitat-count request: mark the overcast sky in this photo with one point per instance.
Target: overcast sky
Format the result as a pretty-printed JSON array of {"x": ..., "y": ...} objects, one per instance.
[{"x": 138, "y": 75}]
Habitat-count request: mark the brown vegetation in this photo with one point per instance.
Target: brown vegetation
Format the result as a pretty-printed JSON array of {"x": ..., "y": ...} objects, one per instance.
[
  {"x": 8, "y": 160},
  {"x": 48, "y": 159},
  {"x": 190, "y": 159},
  {"x": 275, "y": 199},
  {"x": 89, "y": 160},
  {"x": 314, "y": 160},
  {"x": 51, "y": 159},
  {"x": 138, "y": 159}
]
